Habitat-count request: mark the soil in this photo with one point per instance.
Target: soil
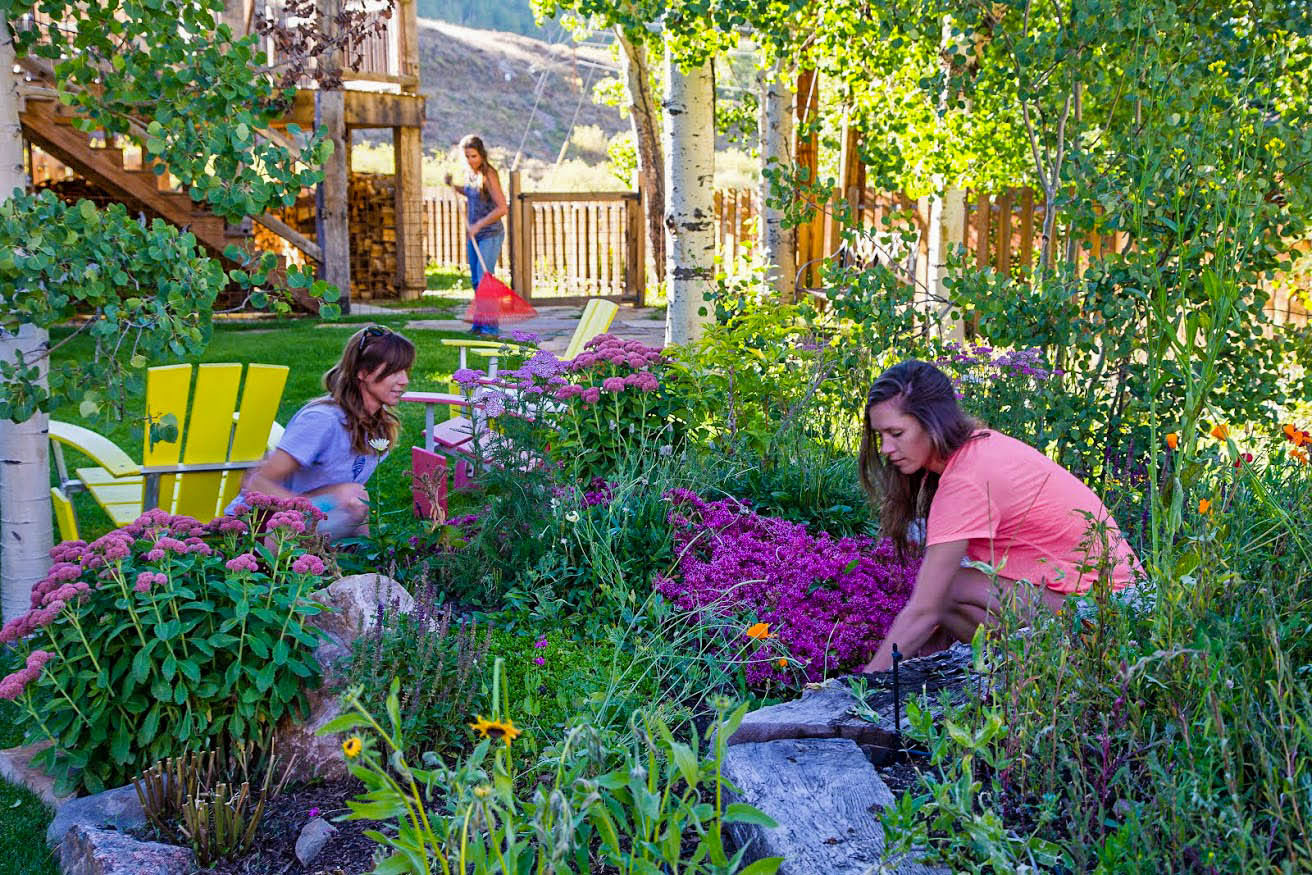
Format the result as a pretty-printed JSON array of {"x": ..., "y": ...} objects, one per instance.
[{"x": 348, "y": 851}]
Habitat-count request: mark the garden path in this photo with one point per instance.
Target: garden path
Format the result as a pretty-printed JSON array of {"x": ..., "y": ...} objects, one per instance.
[{"x": 555, "y": 325}]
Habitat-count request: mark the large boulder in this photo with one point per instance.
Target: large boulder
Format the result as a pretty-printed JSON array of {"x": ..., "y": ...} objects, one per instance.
[
  {"x": 89, "y": 851},
  {"x": 119, "y": 809},
  {"x": 355, "y": 605}
]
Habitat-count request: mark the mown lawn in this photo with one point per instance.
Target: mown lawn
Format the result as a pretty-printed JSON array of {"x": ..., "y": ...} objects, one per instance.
[
  {"x": 23, "y": 817},
  {"x": 309, "y": 347}
]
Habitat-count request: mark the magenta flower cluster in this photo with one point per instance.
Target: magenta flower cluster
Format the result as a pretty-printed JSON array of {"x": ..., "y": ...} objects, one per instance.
[
  {"x": 829, "y": 601},
  {"x": 13, "y": 684}
]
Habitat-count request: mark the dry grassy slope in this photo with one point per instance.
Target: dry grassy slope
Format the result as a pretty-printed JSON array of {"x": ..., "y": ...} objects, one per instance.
[{"x": 482, "y": 82}]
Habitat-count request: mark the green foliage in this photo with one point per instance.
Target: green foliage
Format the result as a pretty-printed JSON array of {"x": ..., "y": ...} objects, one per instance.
[
  {"x": 640, "y": 807},
  {"x": 179, "y": 644},
  {"x": 146, "y": 291},
  {"x": 438, "y": 657}
]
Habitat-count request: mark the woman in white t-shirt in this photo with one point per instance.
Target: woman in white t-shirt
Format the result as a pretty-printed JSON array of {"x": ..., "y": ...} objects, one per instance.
[{"x": 332, "y": 445}]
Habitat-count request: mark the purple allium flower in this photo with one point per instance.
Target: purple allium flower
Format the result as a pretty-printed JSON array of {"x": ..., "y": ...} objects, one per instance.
[
  {"x": 538, "y": 660},
  {"x": 467, "y": 376}
]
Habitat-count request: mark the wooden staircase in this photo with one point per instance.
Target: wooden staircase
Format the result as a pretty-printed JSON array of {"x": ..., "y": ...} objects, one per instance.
[{"x": 49, "y": 124}]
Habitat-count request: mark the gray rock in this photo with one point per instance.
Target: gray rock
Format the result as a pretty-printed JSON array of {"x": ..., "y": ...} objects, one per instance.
[
  {"x": 119, "y": 809},
  {"x": 89, "y": 851},
  {"x": 826, "y": 799},
  {"x": 16, "y": 768},
  {"x": 353, "y": 604},
  {"x": 314, "y": 835},
  {"x": 825, "y": 710}
]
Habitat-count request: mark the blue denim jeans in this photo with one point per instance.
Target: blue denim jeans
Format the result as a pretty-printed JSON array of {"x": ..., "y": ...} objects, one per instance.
[{"x": 490, "y": 246}]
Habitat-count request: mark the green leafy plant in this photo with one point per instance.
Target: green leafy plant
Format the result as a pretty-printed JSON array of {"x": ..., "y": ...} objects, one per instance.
[
  {"x": 167, "y": 635},
  {"x": 663, "y": 806}
]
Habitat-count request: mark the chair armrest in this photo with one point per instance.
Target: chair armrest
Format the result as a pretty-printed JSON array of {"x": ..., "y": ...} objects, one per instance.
[
  {"x": 99, "y": 448},
  {"x": 275, "y": 437},
  {"x": 498, "y": 353},
  {"x": 435, "y": 398},
  {"x": 477, "y": 344}
]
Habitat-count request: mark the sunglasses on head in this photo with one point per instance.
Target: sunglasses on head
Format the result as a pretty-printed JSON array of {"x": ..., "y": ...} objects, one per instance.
[{"x": 369, "y": 334}]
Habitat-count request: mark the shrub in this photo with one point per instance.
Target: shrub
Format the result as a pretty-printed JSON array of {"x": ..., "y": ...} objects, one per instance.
[
  {"x": 828, "y": 601},
  {"x": 440, "y": 659},
  {"x": 165, "y": 636}
]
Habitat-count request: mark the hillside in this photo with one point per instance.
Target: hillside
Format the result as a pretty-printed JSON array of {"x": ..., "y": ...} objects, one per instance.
[
  {"x": 483, "y": 82},
  {"x": 515, "y": 16}
]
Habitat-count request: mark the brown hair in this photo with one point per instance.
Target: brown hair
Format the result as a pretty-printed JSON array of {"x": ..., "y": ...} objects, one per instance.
[
  {"x": 926, "y": 394},
  {"x": 367, "y": 350},
  {"x": 469, "y": 141}
]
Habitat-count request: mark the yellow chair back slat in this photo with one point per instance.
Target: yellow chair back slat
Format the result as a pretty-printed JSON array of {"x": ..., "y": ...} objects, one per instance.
[
  {"x": 209, "y": 431},
  {"x": 251, "y": 438},
  {"x": 596, "y": 319},
  {"x": 167, "y": 390},
  {"x": 64, "y": 516}
]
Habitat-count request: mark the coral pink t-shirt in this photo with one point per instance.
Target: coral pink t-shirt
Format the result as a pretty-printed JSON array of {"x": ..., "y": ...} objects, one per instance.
[{"x": 1009, "y": 501}]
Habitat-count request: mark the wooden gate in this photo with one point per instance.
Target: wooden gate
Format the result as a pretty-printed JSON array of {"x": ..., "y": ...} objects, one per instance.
[{"x": 570, "y": 247}]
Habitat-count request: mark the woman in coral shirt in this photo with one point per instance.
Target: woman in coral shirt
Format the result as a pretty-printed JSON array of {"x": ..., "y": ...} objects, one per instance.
[{"x": 986, "y": 497}]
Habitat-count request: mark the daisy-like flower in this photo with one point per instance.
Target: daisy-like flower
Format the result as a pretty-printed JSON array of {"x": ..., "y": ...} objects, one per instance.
[
  {"x": 1297, "y": 437},
  {"x": 759, "y": 631},
  {"x": 1220, "y": 431},
  {"x": 1173, "y": 440},
  {"x": 496, "y": 729},
  {"x": 1204, "y": 505},
  {"x": 352, "y": 747},
  {"x": 380, "y": 444}
]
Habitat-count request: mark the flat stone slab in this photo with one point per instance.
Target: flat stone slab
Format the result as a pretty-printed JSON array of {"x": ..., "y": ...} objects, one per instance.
[
  {"x": 826, "y": 799},
  {"x": 118, "y": 809},
  {"x": 89, "y": 851},
  {"x": 826, "y": 710}
]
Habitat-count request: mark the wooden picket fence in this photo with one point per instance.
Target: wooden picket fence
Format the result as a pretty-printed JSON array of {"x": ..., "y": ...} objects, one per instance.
[{"x": 1003, "y": 231}]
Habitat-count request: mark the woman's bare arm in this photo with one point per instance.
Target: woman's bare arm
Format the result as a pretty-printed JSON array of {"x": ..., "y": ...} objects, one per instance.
[{"x": 928, "y": 605}]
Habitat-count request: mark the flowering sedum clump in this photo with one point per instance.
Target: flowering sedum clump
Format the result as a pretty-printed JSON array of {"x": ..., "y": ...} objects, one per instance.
[
  {"x": 165, "y": 636},
  {"x": 828, "y": 602}
]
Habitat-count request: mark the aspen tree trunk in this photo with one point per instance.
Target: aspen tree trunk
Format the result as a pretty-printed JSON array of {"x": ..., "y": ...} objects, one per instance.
[
  {"x": 690, "y": 205},
  {"x": 775, "y": 127},
  {"x": 26, "y": 534},
  {"x": 644, "y": 115}
]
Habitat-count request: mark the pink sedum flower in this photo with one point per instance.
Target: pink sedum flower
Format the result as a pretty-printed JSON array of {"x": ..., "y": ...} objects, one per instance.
[
  {"x": 243, "y": 562},
  {"x": 307, "y": 563}
]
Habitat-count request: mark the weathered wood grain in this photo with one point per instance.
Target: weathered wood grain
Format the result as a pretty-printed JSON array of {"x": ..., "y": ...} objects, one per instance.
[{"x": 825, "y": 797}]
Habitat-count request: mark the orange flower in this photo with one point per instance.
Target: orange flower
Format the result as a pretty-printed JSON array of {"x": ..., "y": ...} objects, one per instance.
[
  {"x": 1172, "y": 440},
  {"x": 1297, "y": 437},
  {"x": 1204, "y": 505},
  {"x": 1299, "y": 455},
  {"x": 781, "y": 662},
  {"x": 759, "y": 631},
  {"x": 1220, "y": 431}
]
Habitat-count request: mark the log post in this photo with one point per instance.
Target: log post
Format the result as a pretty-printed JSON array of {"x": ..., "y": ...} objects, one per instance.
[
  {"x": 407, "y": 149},
  {"x": 331, "y": 223},
  {"x": 810, "y": 234}
]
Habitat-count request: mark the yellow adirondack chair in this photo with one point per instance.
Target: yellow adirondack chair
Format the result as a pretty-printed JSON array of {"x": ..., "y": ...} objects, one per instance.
[
  {"x": 596, "y": 319},
  {"x": 195, "y": 475}
]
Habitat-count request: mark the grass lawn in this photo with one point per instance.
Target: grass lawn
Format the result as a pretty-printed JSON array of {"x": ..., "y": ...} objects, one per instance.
[
  {"x": 309, "y": 347},
  {"x": 23, "y": 817}
]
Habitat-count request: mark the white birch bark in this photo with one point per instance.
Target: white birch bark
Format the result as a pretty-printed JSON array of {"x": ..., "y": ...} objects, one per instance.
[
  {"x": 690, "y": 198},
  {"x": 775, "y": 127},
  {"x": 26, "y": 534}
]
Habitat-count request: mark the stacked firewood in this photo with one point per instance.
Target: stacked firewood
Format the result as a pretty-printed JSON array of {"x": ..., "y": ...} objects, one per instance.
[{"x": 371, "y": 212}]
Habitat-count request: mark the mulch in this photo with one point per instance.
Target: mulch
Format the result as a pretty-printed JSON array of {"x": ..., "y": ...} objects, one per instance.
[{"x": 348, "y": 852}]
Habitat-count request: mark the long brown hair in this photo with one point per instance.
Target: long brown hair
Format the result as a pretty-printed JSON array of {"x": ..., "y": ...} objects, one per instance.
[
  {"x": 926, "y": 394},
  {"x": 469, "y": 141},
  {"x": 367, "y": 349}
]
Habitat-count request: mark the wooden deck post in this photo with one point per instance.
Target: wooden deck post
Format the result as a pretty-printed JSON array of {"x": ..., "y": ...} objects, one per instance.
[
  {"x": 635, "y": 266},
  {"x": 331, "y": 223},
  {"x": 407, "y": 149},
  {"x": 515, "y": 243}
]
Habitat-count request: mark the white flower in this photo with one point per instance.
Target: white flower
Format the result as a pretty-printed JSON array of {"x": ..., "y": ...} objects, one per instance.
[
  {"x": 380, "y": 445},
  {"x": 666, "y": 451},
  {"x": 572, "y": 516}
]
